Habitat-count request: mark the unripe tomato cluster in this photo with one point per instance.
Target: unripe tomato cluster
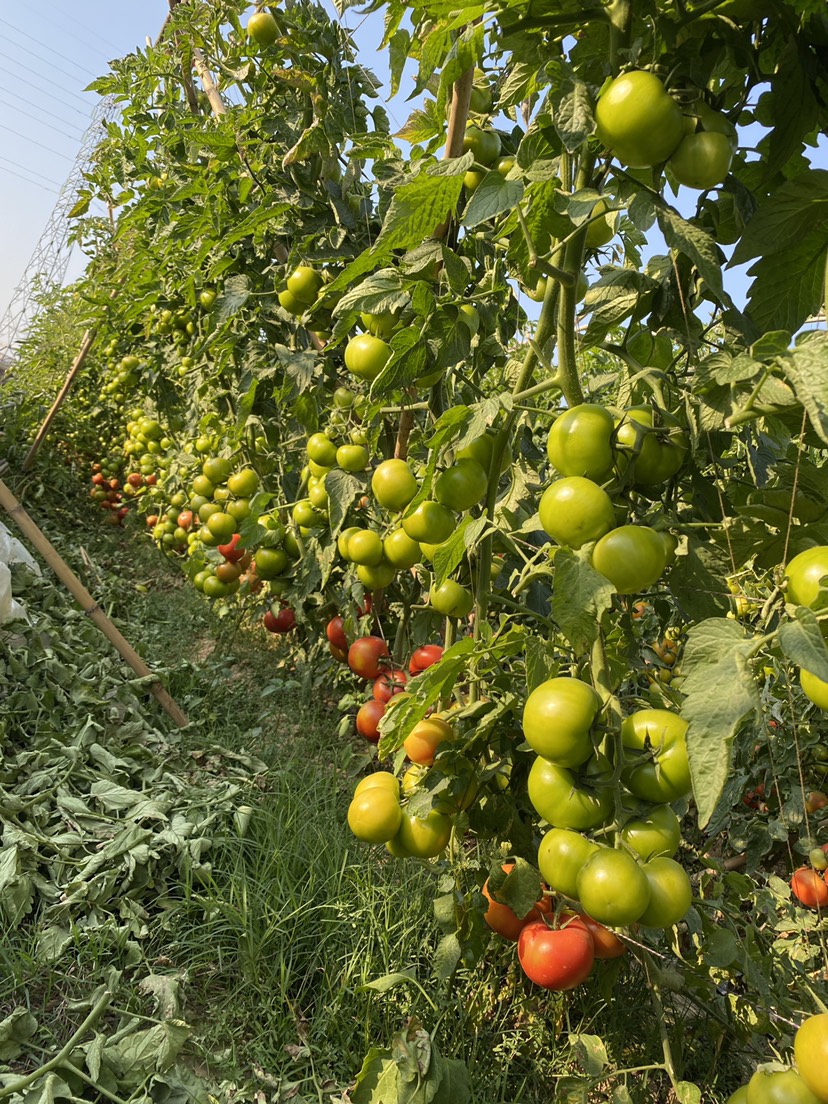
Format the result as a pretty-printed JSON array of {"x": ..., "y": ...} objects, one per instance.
[
  {"x": 588, "y": 446},
  {"x": 574, "y": 787},
  {"x": 807, "y": 1084},
  {"x": 643, "y": 126}
]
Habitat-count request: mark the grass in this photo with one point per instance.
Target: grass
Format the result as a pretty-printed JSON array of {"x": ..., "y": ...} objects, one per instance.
[{"x": 269, "y": 949}]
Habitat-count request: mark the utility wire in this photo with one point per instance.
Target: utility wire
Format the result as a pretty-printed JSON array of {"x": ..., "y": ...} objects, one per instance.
[
  {"x": 37, "y": 107},
  {"x": 57, "y": 53},
  {"x": 36, "y": 72},
  {"x": 50, "y": 92},
  {"x": 72, "y": 137},
  {"x": 34, "y": 142},
  {"x": 28, "y": 180},
  {"x": 33, "y": 172},
  {"x": 89, "y": 31}
]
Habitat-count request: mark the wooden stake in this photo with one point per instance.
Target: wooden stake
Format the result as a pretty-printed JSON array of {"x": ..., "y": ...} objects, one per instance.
[
  {"x": 87, "y": 603},
  {"x": 77, "y": 364}
]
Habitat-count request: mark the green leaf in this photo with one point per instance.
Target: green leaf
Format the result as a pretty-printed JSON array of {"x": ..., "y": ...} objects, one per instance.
[
  {"x": 384, "y": 291},
  {"x": 571, "y": 108},
  {"x": 590, "y": 1053},
  {"x": 389, "y": 981},
  {"x": 342, "y": 488},
  {"x": 494, "y": 195},
  {"x": 446, "y": 957},
  {"x": 436, "y": 682},
  {"x": 520, "y": 889},
  {"x": 234, "y": 295},
  {"x": 455, "y": 1084},
  {"x": 464, "y": 538},
  {"x": 422, "y": 204},
  {"x": 580, "y": 598},
  {"x": 15, "y": 1031},
  {"x": 541, "y": 662},
  {"x": 806, "y": 367},
  {"x": 803, "y": 644},
  {"x": 611, "y": 299},
  {"x": 378, "y": 1080},
  {"x": 721, "y": 694},
  {"x": 697, "y": 581},
  {"x": 687, "y": 1093},
  {"x": 697, "y": 245}
]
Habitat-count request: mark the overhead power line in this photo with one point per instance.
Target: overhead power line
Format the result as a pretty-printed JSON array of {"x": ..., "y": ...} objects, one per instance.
[
  {"x": 72, "y": 137},
  {"x": 28, "y": 68},
  {"x": 29, "y": 180},
  {"x": 23, "y": 82},
  {"x": 88, "y": 31},
  {"x": 57, "y": 53},
  {"x": 26, "y": 169},
  {"x": 37, "y": 107},
  {"x": 33, "y": 141}
]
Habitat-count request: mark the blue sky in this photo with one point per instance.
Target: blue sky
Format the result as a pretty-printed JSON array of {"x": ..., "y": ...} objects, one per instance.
[{"x": 44, "y": 66}]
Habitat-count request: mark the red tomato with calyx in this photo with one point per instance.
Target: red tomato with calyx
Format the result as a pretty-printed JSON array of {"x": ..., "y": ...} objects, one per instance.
[
  {"x": 281, "y": 622},
  {"x": 556, "y": 958},
  {"x": 365, "y": 654},
  {"x": 606, "y": 943},
  {"x": 389, "y": 683},
  {"x": 231, "y": 551},
  {"x": 809, "y": 888},
  {"x": 335, "y": 632},
  {"x": 368, "y": 718},
  {"x": 423, "y": 658}
]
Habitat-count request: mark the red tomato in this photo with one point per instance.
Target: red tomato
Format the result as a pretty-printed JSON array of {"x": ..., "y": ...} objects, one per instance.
[
  {"x": 135, "y": 479},
  {"x": 98, "y": 479},
  {"x": 423, "y": 658},
  {"x": 231, "y": 551},
  {"x": 335, "y": 633},
  {"x": 152, "y": 521},
  {"x": 368, "y": 719},
  {"x": 605, "y": 942},
  {"x": 365, "y": 654},
  {"x": 809, "y": 888},
  {"x": 389, "y": 683},
  {"x": 556, "y": 958},
  {"x": 280, "y": 622},
  {"x": 339, "y": 654},
  {"x": 151, "y": 480},
  {"x": 185, "y": 519}
]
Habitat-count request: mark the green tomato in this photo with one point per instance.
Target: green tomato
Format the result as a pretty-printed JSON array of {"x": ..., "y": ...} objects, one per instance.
[
  {"x": 602, "y": 231},
  {"x": 706, "y": 119},
  {"x": 557, "y": 719},
  {"x": 321, "y": 450},
  {"x": 240, "y": 509},
  {"x": 484, "y": 144},
  {"x": 376, "y": 576},
  {"x": 214, "y": 588},
  {"x": 657, "y": 457},
  {"x": 352, "y": 458},
  {"x": 291, "y": 304},
  {"x": 481, "y": 99},
  {"x": 382, "y": 324},
  {"x": 658, "y": 770},
  {"x": 263, "y": 28},
  {"x": 575, "y": 511},
  {"x": 343, "y": 398},
  {"x": 430, "y": 521},
  {"x": 804, "y": 574},
  {"x": 481, "y": 449},
  {"x": 814, "y": 688},
  {"x": 505, "y": 165},
  {"x": 467, "y": 314},
  {"x": 561, "y": 855},
  {"x": 394, "y": 485},
  {"x": 271, "y": 562},
  {"x": 473, "y": 179},
  {"x": 206, "y": 298},
  {"x": 319, "y": 471},
  {"x": 654, "y": 834},
  {"x": 374, "y": 814},
  {"x": 702, "y": 160},
  {"x": 784, "y": 1087},
  {"x": 244, "y": 483},
  {"x": 366, "y": 356},
  {"x": 306, "y": 516},
  {"x": 343, "y": 539},
  {"x": 638, "y": 120},
  {"x": 317, "y": 494},
  {"x": 580, "y": 442},
  {"x": 221, "y": 525},
  {"x": 613, "y": 888},
  {"x": 567, "y": 799},
  {"x": 451, "y": 599},
  {"x": 739, "y": 1097},
  {"x": 365, "y": 547},
  {"x": 423, "y": 837},
  {"x": 632, "y": 557},
  {"x": 304, "y": 284},
  {"x": 670, "y": 893},
  {"x": 400, "y": 550},
  {"x": 461, "y": 486}
]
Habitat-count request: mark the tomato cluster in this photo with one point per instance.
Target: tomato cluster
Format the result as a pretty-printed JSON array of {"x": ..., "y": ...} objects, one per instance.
[{"x": 807, "y": 1084}]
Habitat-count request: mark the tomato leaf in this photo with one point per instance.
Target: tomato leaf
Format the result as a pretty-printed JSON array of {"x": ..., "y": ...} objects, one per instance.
[
  {"x": 446, "y": 957},
  {"x": 687, "y": 1093},
  {"x": 464, "y": 538},
  {"x": 720, "y": 695},
  {"x": 806, "y": 367},
  {"x": 423, "y": 203},
  {"x": 520, "y": 889},
  {"x": 572, "y": 107},
  {"x": 802, "y": 642},
  {"x": 493, "y": 197},
  {"x": 590, "y": 1053},
  {"x": 580, "y": 598}
]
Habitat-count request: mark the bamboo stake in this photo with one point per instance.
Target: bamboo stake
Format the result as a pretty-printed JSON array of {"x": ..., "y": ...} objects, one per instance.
[
  {"x": 87, "y": 603},
  {"x": 77, "y": 364}
]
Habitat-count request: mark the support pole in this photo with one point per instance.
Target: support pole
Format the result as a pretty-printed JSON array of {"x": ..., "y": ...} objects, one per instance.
[
  {"x": 87, "y": 603},
  {"x": 77, "y": 364}
]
